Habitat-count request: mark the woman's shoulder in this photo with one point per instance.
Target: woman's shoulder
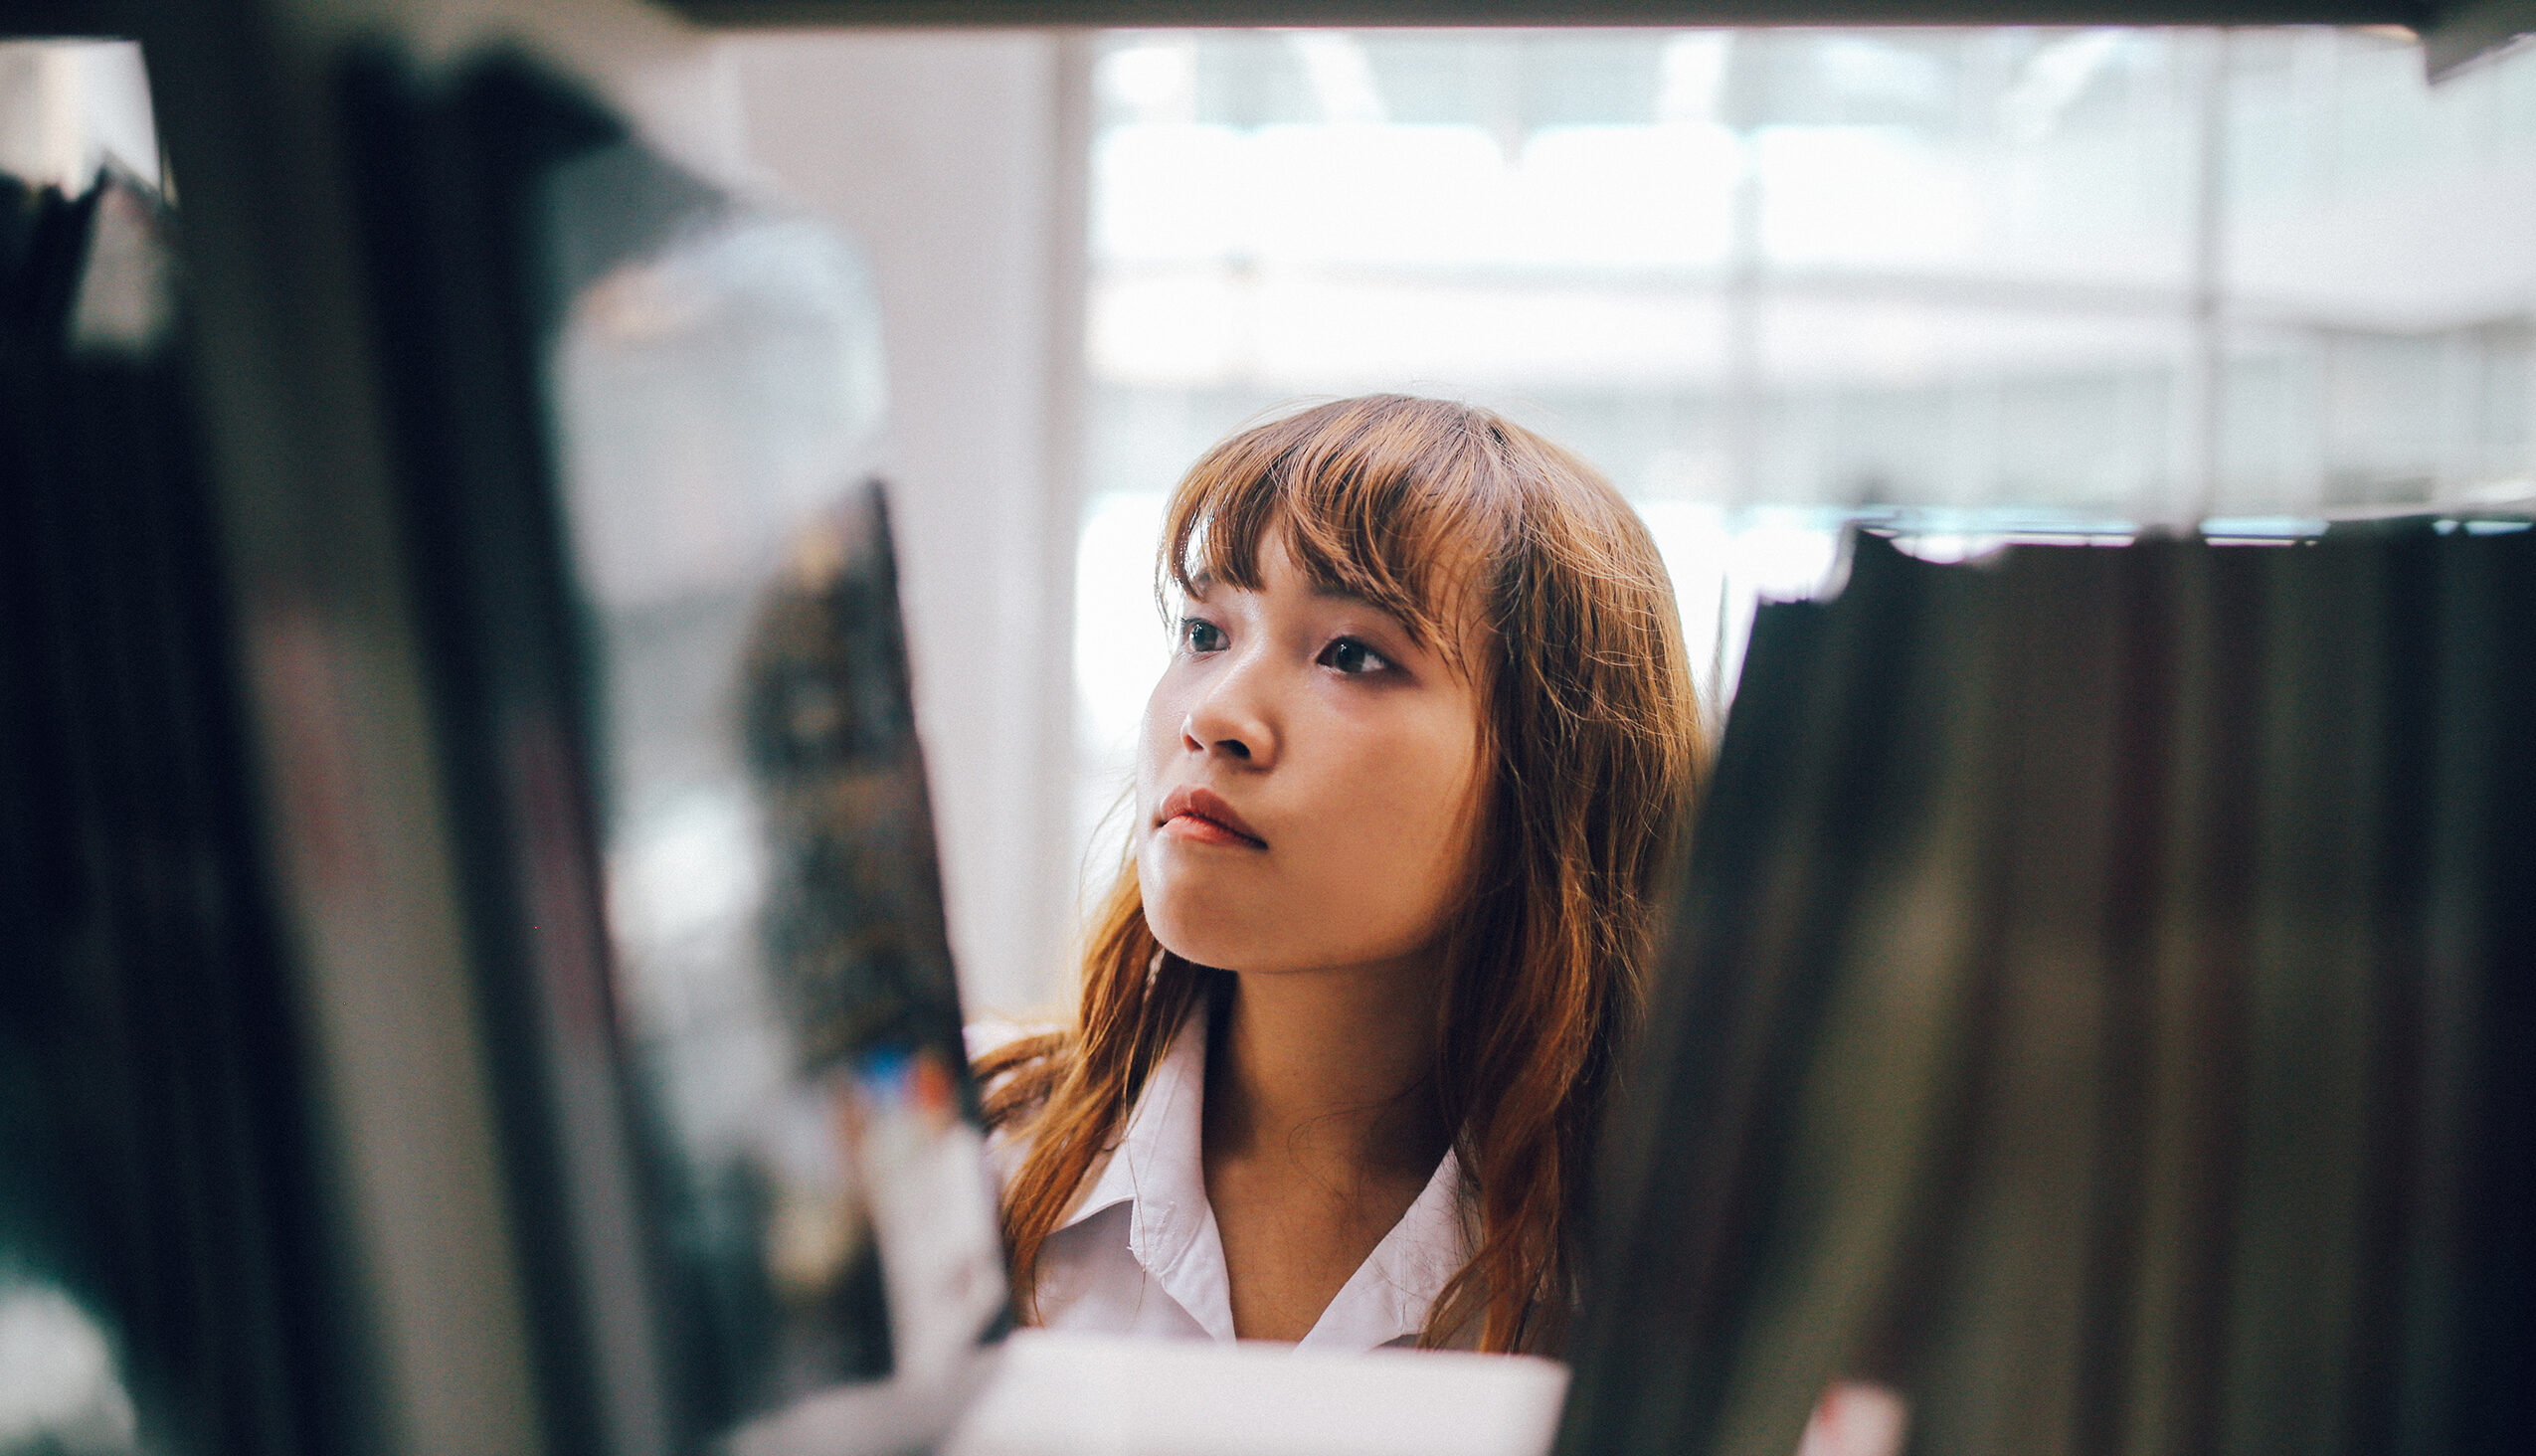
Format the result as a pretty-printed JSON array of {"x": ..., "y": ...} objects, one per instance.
[
  {"x": 985, "y": 1038},
  {"x": 1000, "y": 1051},
  {"x": 1016, "y": 1064}
]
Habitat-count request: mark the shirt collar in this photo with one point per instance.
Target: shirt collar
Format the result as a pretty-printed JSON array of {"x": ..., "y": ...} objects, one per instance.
[
  {"x": 1157, "y": 1168},
  {"x": 1392, "y": 1293}
]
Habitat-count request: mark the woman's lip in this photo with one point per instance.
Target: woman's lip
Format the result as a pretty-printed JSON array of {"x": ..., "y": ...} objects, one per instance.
[
  {"x": 1202, "y": 815},
  {"x": 1206, "y": 831}
]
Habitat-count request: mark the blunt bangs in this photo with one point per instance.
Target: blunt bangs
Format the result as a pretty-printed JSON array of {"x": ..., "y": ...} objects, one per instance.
[{"x": 1404, "y": 503}]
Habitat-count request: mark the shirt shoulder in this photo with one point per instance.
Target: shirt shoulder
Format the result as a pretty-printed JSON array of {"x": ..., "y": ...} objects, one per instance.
[
  {"x": 1008, "y": 1145},
  {"x": 995, "y": 1033}
]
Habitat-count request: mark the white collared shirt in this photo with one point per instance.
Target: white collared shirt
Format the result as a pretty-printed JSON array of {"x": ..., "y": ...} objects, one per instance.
[{"x": 1139, "y": 1254}]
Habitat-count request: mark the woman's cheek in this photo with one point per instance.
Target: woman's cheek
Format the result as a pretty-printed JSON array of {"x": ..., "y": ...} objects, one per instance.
[{"x": 1388, "y": 887}]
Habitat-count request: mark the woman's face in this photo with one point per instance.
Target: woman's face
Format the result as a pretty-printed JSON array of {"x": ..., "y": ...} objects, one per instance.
[{"x": 1307, "y": 786}]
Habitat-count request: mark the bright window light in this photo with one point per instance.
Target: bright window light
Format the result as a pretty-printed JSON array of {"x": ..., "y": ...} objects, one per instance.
[{"x": 1974, "y": 286}]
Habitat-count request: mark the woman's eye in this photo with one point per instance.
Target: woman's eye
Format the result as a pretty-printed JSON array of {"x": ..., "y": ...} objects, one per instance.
[
  {"x": 1199, "y": 635},
  {"x": 1350, "y": 656}
]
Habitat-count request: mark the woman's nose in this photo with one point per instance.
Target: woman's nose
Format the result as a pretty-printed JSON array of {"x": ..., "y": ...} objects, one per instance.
[
  {"x": 1198, "y": 741},
  {"x": 1232, "y": 717}
]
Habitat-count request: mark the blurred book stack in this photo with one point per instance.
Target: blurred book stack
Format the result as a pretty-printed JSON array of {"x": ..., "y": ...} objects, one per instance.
[
  {"x": 159, "y": 1280},
  {"x": 2097, "y": 1009},
  {"x": 743, "y": 1144}
]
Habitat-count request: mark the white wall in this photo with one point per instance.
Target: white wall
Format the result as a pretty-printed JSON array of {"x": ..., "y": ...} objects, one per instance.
[{"x": 957, "y": 160}]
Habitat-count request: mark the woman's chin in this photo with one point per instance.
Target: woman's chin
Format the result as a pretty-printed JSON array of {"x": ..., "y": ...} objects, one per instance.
[
  {"x": 1212, "y": 908},
  {"x": 1182, "y": 879},
  {"x": 1198, "y": 944},
  {"x": 1190, "y": 926}
]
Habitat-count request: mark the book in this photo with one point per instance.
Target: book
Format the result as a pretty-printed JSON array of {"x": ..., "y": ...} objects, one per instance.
[{"x": 2095, "y": 1013}]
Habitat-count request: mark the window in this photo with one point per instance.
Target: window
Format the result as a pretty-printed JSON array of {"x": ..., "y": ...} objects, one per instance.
[{"x": 1975, "y": 283}]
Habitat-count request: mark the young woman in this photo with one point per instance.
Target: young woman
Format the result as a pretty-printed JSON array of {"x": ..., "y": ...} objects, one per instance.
[{"x": 1349, "y": 1015}]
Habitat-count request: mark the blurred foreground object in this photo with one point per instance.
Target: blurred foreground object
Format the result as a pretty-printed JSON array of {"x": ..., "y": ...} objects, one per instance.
[
  {"x": 861, "y": 956},
  {"x": 704, "y": 905},
  {"x": 160, "y": 1279},
  {"x": 1073, "y": 1395},
  {"x": 2098, "y": 1010}
]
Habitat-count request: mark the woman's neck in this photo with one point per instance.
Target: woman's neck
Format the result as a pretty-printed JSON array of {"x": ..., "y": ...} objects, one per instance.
[{"x": 1329, "y": 1074}]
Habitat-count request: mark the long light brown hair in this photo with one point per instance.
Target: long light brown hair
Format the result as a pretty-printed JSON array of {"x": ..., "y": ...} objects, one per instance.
[{"x": 1594, "y": 748}]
